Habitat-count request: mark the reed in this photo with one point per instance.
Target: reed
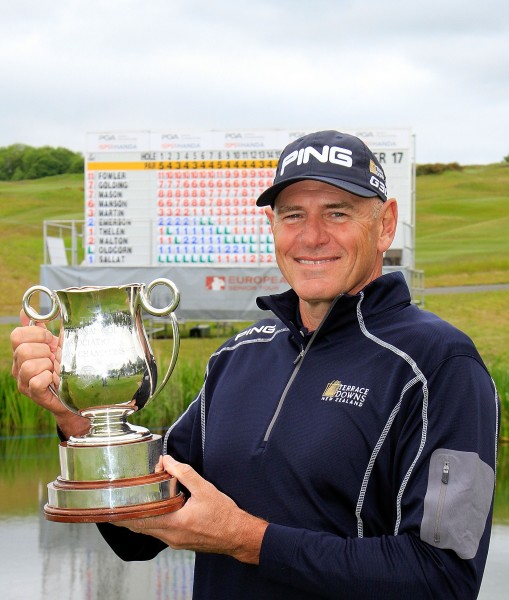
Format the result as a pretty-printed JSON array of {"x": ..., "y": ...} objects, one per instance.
[
  {"x": 175, "y": 397},
  {"x": 500, "y": 376},
  {"x": 18, "y": 413}
]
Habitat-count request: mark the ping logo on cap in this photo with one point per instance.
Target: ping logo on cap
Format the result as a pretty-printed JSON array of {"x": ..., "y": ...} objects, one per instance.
[
  {"x": 332, "y": 157},
  {"x": 332, "y": 154}
]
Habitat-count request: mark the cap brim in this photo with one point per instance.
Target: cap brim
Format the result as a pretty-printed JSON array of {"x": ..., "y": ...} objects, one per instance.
[{"x": 268, "y": 197}]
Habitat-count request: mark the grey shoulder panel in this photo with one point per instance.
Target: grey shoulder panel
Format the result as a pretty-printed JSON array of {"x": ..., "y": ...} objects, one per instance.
[{"x": 457, "y": 502}]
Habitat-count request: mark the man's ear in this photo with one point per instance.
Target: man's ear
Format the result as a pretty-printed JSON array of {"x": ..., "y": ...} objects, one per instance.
[
  {"x": 269, "y": 213},
  {"x": 388, "y": 223}
]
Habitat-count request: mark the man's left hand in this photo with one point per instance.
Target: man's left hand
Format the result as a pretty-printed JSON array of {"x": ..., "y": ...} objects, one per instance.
[{"x": 209, "y": 521}]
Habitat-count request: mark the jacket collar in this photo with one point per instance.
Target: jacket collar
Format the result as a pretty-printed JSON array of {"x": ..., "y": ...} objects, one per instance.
[{"x": 378, "y": 296}]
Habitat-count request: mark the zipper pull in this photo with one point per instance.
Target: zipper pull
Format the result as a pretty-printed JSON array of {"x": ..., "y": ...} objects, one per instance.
[
  {"x": 445, "y": 472},
  {"x": 299, "y": 356}
]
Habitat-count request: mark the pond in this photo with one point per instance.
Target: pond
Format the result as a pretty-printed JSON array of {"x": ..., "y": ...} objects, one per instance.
[{"x": 44, "y": 560}]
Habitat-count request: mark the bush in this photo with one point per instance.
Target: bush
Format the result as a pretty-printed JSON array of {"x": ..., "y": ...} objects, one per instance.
[
  {"x": 437, "y": 168},
  {"x": 18, "y": 162}
]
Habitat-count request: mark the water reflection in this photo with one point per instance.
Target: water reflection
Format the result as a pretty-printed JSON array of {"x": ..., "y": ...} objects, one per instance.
[{"x": 45, "y": 560}]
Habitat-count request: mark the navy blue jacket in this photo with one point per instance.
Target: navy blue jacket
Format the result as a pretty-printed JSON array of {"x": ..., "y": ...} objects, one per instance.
[{"x": 369, "y": 446}]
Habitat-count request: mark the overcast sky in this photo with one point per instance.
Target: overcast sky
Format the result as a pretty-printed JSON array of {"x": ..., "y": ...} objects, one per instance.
[{"x": 440, "y": 67}]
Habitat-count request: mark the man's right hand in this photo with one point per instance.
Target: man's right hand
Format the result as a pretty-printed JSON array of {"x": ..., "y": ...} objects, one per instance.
[{"x": 36, "y": 366}]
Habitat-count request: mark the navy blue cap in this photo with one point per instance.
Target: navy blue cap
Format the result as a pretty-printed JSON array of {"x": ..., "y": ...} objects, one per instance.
[{"x": 339, "y": 159}]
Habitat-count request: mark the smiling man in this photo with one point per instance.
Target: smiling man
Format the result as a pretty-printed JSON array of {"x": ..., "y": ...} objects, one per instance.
[
  {"x": 329, "y": 242},
  {"x": 344, "y": 447}
]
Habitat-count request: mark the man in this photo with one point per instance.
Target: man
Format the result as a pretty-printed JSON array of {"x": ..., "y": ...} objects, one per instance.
[{"x": 345, "y": 448}]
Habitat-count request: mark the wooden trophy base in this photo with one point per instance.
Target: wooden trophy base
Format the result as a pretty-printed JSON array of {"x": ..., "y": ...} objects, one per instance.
[
  {"x": 102, "y": 483},
  {"x": 80, "y": 491}
]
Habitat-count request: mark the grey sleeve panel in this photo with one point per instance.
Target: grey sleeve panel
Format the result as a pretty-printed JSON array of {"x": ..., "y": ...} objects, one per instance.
[{"x": 457, "y": 502}]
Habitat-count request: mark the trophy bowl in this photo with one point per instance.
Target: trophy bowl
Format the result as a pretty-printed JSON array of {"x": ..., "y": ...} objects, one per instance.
[{"x": 107, "y": 371}]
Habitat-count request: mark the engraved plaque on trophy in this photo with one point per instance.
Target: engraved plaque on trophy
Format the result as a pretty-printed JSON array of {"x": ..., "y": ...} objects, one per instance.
[{"x": 107, "y": 372}]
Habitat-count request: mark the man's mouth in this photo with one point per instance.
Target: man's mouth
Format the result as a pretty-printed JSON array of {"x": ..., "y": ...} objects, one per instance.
[{"x": 318, "y": 261}]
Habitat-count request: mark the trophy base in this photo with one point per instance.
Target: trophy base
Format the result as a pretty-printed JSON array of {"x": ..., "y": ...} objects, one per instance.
[
  {"x": 101, "y": 484},
  {"x": 110, "y": 515}
]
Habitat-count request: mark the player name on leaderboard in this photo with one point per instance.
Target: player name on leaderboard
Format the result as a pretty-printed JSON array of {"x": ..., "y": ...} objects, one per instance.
[
  {"x": 180, "y": 199},
  {"x": 187, "y": 199}
]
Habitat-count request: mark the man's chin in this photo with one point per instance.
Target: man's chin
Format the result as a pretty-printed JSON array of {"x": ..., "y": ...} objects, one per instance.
[{"x": 317, "y": 295}]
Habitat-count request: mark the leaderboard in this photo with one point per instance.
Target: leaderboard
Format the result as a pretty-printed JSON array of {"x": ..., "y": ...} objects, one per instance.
[
  {"x": 173, "y": 198},
  {"x": 180, "y": 198}
]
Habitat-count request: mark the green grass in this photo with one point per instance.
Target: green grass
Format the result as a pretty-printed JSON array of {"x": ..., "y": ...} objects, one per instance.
[
  {"x": 461, "y": 234},
  {"x": 462, "y": 223},
  {"x": 19, "y": 413},
  {"x": 484, "y": 316},
  {"x": 24, "y": 205}
]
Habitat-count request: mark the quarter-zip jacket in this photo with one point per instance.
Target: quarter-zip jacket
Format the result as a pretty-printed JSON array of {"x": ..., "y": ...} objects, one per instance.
[{"x": 370, "y": 448}]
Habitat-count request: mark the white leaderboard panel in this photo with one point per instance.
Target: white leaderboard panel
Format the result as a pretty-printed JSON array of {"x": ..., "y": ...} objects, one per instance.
[{"x": 188, "y": 199}]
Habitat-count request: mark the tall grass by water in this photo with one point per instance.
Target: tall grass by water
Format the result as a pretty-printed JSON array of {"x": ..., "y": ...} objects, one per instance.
[
  {"x": 500, "y": 376},
  {"x": 19, "y": 413}
]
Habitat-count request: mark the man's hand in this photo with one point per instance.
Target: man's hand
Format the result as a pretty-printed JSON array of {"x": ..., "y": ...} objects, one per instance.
[
  {"x": 209, "y": 521},
  {"x": 36, "y": 366}
]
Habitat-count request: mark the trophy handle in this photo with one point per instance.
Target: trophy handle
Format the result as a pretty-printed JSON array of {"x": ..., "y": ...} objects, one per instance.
[
  {"x": 34, "y": 316},
  {"x": 31, "y": 313},
  {"x": 163, "y": 312}
]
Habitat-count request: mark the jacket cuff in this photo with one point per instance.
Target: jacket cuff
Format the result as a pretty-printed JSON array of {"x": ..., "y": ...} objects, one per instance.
[
  {"x": 277, "y": 553},
  {"x": 61, "y": 435}
]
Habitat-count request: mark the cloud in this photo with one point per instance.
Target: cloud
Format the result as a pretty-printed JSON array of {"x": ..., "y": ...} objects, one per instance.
[{"x": 437, "y": 67}]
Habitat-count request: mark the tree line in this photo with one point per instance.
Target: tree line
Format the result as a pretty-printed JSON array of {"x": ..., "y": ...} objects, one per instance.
[{"x": 20, "y": 161}]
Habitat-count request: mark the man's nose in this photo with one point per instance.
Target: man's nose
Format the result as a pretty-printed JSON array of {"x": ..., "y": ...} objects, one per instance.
[{"x": 314, "y": 232}]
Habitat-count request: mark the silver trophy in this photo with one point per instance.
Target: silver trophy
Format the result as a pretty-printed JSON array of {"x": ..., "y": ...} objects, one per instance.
[{"x": 107, "y": 372}]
